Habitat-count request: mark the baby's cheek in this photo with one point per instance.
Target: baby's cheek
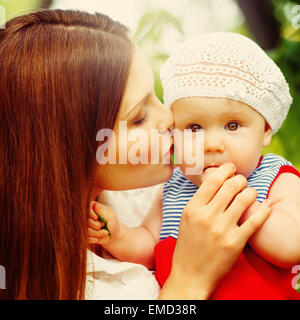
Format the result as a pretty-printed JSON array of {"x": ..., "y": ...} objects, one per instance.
[
  {"x": 245, "y": 171},
  {"x": 246, "y": 161}
]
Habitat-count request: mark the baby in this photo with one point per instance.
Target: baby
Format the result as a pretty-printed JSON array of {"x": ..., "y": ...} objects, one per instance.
[{"x": 224, "y": 84}]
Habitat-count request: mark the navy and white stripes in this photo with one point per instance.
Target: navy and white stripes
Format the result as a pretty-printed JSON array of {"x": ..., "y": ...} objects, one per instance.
[
  {"x": 179, "y": 190},
  {"x": 263, "y": 176},
  {"x": 176, "y": 194}
]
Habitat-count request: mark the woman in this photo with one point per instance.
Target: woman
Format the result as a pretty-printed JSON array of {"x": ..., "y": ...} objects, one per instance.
[{"x": 65, "y": 75}]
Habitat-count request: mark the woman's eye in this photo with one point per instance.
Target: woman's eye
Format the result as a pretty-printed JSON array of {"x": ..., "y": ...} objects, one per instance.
[
  {"x": 138, "y": 122},
  {"x": 141, "y": 120},
  {"x": 195, "y": 127},
  {"x": 232, "y": 126}
]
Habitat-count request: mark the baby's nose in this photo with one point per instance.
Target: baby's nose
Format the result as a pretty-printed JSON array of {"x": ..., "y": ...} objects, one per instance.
[{"x": 213, "y": 143}]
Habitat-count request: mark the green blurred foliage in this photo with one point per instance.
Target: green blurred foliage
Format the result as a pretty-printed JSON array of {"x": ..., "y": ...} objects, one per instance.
[
  {"x": 154, "y": 27},
  {"x": 287, "y": 56},
  {"x": 16, "y": 7},
  {"x": 287, "y": 140}
]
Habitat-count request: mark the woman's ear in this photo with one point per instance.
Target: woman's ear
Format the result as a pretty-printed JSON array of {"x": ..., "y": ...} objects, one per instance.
[{"x": 267, "y": 135}]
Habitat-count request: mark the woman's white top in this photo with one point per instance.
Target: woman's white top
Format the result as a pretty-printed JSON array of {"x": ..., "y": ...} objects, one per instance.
[{"x": 110, "y": 279}]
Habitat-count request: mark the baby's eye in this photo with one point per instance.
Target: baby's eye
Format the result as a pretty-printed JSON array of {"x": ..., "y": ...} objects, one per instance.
[
  {"x": 232, "y": 126},
  {"x": 195, "y": 127}
]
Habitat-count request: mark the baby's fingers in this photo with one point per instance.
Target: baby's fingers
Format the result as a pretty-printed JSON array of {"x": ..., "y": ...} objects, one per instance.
[
  {"x": 97, "y": 233},
  {"x": 92, "y": 240},
  {"x": 93, "y": 215},
  {"x": 102, "y": 211},
  {"x": 101, "y": 238},
  {"x": 255, "y": 221},
  {"x": 98, "y": 210},
  {"x": 96, "y": 225}
]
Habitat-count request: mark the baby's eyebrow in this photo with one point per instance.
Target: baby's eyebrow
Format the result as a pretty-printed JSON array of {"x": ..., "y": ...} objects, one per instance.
[{"x": 233, "y": 114}]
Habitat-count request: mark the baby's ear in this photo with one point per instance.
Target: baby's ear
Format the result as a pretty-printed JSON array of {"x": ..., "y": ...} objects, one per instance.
[{"x": 267, "y": 135}]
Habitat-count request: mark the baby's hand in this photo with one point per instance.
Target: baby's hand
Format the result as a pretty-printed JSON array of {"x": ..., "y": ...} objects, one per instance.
[{"x": 103, "y": 224}]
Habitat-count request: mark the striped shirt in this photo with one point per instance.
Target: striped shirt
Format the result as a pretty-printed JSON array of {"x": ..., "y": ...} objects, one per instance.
[{"x": 179, "y": 190}]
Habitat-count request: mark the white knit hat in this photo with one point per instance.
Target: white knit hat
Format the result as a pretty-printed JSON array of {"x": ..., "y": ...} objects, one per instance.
[{"x": 227, "y": 65}]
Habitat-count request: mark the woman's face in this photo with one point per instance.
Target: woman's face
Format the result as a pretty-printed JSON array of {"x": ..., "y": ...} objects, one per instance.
[{"x": 138, "y": 154}]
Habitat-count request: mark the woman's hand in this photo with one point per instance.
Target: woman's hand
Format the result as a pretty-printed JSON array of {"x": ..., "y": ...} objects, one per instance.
[
  {"x": 209, "y": 239},
  {"x": 103, "y": 224}
]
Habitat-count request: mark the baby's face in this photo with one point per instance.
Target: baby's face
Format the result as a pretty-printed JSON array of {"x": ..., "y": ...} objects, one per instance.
[{"x": 233, "y": 132}]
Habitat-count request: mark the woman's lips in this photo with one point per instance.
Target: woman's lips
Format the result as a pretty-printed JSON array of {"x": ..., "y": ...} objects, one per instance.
[
  {"x": 169, "y": 152},
  {"x": 172, "y": 150}
]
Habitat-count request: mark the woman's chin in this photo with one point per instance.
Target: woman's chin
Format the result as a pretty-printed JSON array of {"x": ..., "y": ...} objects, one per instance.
[
  {"x": 140, "y": 176},
  {"x": 159, "y": 174}
]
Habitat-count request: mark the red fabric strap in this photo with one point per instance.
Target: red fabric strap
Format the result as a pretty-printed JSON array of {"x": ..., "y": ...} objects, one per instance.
[{"x": 284, "y": 169}]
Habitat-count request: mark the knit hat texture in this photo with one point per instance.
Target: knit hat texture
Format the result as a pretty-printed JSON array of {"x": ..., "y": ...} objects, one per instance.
[{"x": 227, "y": 65}]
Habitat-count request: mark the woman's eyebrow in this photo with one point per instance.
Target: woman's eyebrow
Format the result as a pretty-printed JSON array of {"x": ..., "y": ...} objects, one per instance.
[{"x": 141, "y": 102}]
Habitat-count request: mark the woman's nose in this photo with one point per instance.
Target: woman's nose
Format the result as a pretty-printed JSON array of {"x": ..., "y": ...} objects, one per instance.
[
  {"x": 213, "y": 142},
  {"x": 166, "y": 119}
]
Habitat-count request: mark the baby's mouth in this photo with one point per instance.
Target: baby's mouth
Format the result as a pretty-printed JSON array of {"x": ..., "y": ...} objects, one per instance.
[{"x": 209, "y": 167}]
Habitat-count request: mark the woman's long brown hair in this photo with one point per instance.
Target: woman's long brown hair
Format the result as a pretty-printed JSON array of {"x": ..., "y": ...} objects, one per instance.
[{"x": 63, "y": 74}]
